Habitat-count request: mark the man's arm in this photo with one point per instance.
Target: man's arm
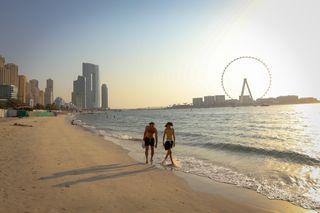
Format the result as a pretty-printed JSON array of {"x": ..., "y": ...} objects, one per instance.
[
  {"x": 164, "y": 134},
  {"x": 144, "y": 134},
  {"x": 156, "y": 133},
  {"x": 174, "y": 137}
]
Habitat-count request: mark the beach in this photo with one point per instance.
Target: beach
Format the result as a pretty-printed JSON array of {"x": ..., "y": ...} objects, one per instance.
[{"x": 54, "y": 166}]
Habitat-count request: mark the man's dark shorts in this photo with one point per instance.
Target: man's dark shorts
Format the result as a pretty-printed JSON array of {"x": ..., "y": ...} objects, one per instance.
[
  {"x": 148, "y": 141},
  {"x": 168, "y": 145}
]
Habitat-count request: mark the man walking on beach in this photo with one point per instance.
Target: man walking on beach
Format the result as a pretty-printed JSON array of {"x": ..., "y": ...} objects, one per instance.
[{"x": 150, "y": 134}]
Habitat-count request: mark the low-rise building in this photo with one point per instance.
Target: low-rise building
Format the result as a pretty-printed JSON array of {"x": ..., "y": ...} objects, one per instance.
[
  {"x": 308, "y": 100},
  {"x": 8, "y": 92},
  {"x": 290, "y": 99},
  {"x": 245, "y": 100},
  {"x": 209, "y": 100},
  {"x": 267, "y": 101},
  {"x": 220, "y": 99},
  {"x": 197, "y": 102}
]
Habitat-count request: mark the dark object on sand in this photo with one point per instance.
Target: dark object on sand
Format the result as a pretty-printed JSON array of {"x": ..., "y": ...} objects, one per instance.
[{"x": 26, "y": 125}]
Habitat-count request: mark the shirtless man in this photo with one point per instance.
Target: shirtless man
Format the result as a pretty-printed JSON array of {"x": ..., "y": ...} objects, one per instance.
[
  {"x": 170, "y": 137},
  {"x": 148, "y": 138}
]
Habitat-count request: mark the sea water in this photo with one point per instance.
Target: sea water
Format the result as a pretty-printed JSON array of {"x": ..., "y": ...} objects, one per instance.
[{"x": 273, "y": 150}]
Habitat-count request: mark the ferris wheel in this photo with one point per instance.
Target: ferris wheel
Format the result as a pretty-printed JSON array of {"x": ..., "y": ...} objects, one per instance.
[{"x": 268, "y": 79}]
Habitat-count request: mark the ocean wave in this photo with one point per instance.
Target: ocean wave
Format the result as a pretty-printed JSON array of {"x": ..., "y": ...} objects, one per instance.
[
  {"x": 127, "y": 137},
  {"x": 258, "y": 136},
  {"x": 284, "y": 155},
  {"x": 273, "y": 189},
  {"x": 190, "y": 134},
  {"x": 105, "y": 131}
]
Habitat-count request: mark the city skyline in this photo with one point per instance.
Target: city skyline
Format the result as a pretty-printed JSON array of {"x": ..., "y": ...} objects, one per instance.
[
  {"x": 16, "y": 86},
  {"x": 181, "y": 47}
]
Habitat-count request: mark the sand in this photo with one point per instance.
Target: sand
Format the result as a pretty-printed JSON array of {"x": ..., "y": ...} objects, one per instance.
[{"x": 57, "y": 167}]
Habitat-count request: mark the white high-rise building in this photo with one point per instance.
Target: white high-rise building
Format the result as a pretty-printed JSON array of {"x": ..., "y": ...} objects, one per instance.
[
  {"x": 104, "y": 96},
  {"x": 91, "y": 74},
  {"x": 79, "y": 92}
]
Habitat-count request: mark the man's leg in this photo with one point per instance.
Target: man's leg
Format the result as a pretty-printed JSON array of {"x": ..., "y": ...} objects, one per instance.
[
  {"x": 152, "y": 153},
  {"x": 165, "y": 157},
  {"x": 146, "y": 152},
  {"x": 170, "y": 153}
]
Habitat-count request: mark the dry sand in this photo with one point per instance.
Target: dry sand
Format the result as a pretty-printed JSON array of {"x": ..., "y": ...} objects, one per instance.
[{"x": 56, "y": 167}]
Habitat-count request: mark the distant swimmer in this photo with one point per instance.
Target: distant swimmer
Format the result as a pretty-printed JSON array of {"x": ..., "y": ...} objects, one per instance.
[
  {"x": 149, "y": 137},
  {"x": 169, "y": 141}
]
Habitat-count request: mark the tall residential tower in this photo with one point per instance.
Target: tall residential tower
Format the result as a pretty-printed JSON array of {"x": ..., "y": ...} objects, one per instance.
[
  {"x": 48, "y": 94},
  {"x": 34, "y": 85},
  {"x": 79, "y": 92},
  {"x": 104, "y": 96},
  {"x": 8, "y": 73},
  {"x": 92, "y": 91},
  {"x": 22, "y": 89}
]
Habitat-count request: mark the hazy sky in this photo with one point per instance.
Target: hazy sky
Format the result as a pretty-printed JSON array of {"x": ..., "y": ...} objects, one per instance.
[{"x": 157, "y": 53}]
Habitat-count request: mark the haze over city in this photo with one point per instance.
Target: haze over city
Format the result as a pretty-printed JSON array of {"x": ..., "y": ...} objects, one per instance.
[{"x": 160, "y": 53}]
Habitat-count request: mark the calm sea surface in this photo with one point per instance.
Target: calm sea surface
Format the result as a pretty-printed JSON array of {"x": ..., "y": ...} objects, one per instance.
[{"x": 273, "y": 150}]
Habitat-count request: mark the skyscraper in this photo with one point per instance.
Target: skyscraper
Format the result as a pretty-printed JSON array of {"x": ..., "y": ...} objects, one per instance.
[
  {"x": 92, "y": 88},
  {"x": 2, "y": 61},
  {"x": 4, "y": 76},
  {"x": 104, "y": 96},
  {"x": 8, "y": 73},
  {"x": 34, "y": 84},
  {"x": 41, "y": 97},
  {"x": 79, "y": 92},
  {"x": 48, "y": 95},
  {"x": 29, "y": 96},
  {"x": 12, "y": 71},
  {"x": 22, "y": 88}
]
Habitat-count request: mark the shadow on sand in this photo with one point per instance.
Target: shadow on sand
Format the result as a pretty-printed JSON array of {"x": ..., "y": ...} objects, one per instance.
[{"x": 109, "y": 171}]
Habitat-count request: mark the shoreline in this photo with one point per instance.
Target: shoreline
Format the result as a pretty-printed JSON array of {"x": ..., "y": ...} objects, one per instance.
[
  {"x": 203, "y": 184},
  {"x": 55, "y": 165},
  {"x": 207, "y": 185}
]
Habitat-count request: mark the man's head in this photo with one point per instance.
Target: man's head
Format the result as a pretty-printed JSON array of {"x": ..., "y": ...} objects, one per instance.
[
  {"x": 169, "y": 124},
  {"x": 151, "y": 124}
]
